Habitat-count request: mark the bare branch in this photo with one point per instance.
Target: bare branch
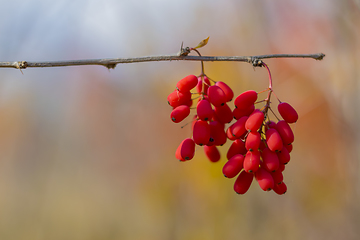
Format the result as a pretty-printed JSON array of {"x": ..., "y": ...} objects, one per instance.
[{"x": 111, "y": 63}]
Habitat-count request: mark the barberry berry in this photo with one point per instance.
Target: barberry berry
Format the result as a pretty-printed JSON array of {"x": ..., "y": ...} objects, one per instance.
[
  {"x": 179, "y": 113},
  {"x": 216, "y": 96},
  {"x": 264, "y": 179},
  {"x": 243, "y": 182},
  {"x": 201, "y": 132},
  {"x": 287, "y": 112},
  {"x": 246, "y": 99},
  {"x": 212, "y": 153},
  {"x": 187, "y": 83},
  {"x": 233, "y": 166}
]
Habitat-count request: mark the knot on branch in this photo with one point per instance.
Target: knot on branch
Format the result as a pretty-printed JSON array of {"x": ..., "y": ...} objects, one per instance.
[
  {"x": 21, "y": 65},
  {"x": 256, "y": 62}
]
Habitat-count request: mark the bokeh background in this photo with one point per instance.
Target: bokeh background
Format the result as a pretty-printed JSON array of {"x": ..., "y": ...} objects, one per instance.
[{"x": 88, "y": 153}]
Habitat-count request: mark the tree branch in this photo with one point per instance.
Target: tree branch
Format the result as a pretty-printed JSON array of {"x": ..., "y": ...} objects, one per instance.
[{"x": 111, "y": 63}]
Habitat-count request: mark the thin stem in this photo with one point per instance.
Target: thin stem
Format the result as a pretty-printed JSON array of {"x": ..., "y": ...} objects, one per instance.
[{"x": 111, "y": 63}]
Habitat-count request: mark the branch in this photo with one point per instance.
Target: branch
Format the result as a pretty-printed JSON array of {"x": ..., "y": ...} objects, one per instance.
[{"x": 111, "y": 63}]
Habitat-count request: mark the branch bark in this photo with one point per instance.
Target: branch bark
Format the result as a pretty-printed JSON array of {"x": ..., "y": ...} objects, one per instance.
[{"x": 111, "y": 63}]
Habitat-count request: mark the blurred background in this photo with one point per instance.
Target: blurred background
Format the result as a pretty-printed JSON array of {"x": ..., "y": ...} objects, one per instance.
[{"x": 88, "y": 153}]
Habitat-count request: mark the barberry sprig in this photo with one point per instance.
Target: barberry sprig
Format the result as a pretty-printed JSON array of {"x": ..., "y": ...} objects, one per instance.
[{"x": 260, "y": 147}]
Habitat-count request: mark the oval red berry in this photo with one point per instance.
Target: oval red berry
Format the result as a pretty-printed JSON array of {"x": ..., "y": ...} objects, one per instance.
[
  {"x": 253, "y": 123},
  {"x": 265, "y": 180},
  {"x": 187, "y": 83},
  {"x": 246, "y": 99},
  {"x": 287, "y": 112},
  {"x": 201, "y": 132},
  {"x": 227, "y": 90},
  {"x": 233, "y": 166},
  {"x": 204, "y": 110},
  {"x": 273, "y": 140},
  {"x": 216, "y": 96},
  {"x": 243, "y": 182},
  {"x": 212, "y": 153},
  {"x": 180, "y": 113}
]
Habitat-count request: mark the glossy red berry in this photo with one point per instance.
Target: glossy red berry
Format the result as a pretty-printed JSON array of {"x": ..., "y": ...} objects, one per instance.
[
  {"x": 252, "y": 141},
  {"x": 186, "y": 150},
  {"x": 252, "y": 161},
  {"x": 277, "y": 176},
  {"x": 179, "y": 113},
  {"x": 204, "y": 110},
  {"x": 270, "y": 160},
  {"x": 273, "y": 140},
  {"x": 187, "y": 83},
  {"x": 280, "y": 188},
  {"x": 217, "y": 133},
  {"x": 239, "y": 113},
  {"x": 284, "y": 156},
  {"x": 264, "y": 179},
  {"x": 285, "y": 132},
  {"x": 223, "y": 113},
  {"x": 237, "y": 129},
  {"x": 233, "y": 166},
  {"x": 246, "y": 99},
  {"x": 216, "y": 96},
  {"x": 243, "y": 182},
  {"x": 227, "y": 90},
  {"x": 237, "y": 147},
  {"x": 289, "y": 147},
  {"x": 201, "y": 132},
  {"x": 253, "y": 123},
  {"x": 287, "y": 112},
  {"x": 177, "y": 98},
  {"x": 212, "y": 153}
]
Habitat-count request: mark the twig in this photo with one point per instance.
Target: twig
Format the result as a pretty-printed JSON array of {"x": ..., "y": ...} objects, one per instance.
[{"x": 111, "y": 63}]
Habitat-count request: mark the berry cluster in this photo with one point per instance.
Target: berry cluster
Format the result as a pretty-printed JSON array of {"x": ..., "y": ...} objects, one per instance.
[{"x": 260, "y": 147}]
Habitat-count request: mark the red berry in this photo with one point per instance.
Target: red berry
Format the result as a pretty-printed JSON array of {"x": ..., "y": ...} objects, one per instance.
[
  {"x": 180, "y": 113},
  {"x": 270, "y": 160},
  {"x": 187, "y": 83},
  {"x": 233, "y": 166},
  {"x": 186, "y": 150},
  {"x": 287, "y": 112},
  {"x": 284, "y": 156},
  {"x": 212, "y": 153},
  {"x": 177, "y": 98},
  {"x": 201, "y": 132},
  {"x": 199, "y": 85},
  {"x": 281, "y": 167},
  {"x": 273, "y": 140},
  {"x": 252, "y": 161},
  {"x": 204, "y": 110},
  {"x": 254, "y": 121},
  {"x": 237, "y": 147},
  {"x": 230, "y": 135},
  {"x": 243, "y": 182},
  {"x": 277, "y": 176},
  {"x": 246, "y": 99},
  {"x": 280, "y": 188},
  {"x": 289, "y": 147},
  {"x": 237, "y": 129},
  {"x": 227, "y": 90},
  {"x": 239, "y": 113},
  {"x": 252, "y": 141},
  {"x": 265, "y": 180},
  {"x": 223, "y": 113},
  {"x": 216, "y": 96},
  {"x": 285, "y": 132},
  {"x": 217, "y": 132}
]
